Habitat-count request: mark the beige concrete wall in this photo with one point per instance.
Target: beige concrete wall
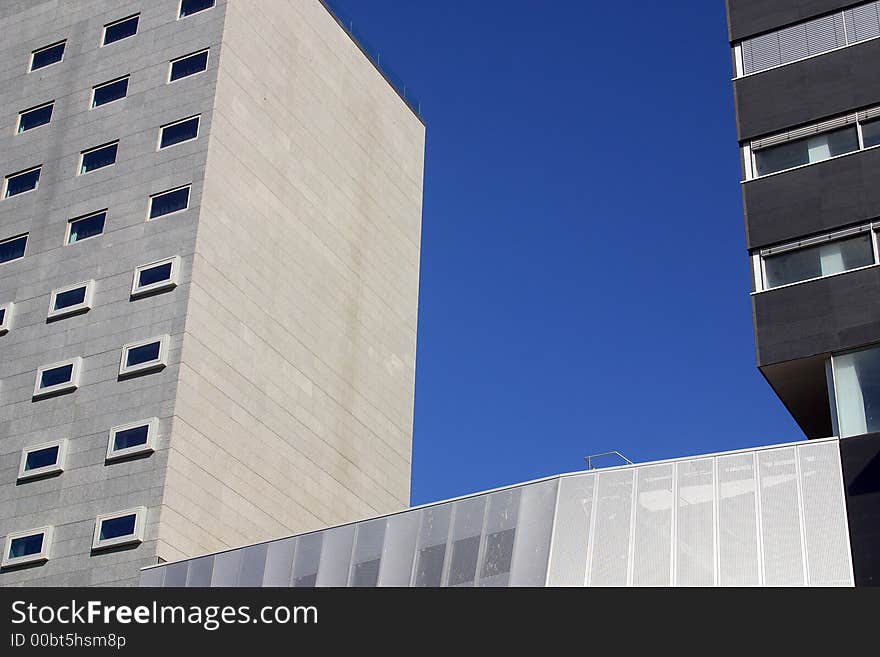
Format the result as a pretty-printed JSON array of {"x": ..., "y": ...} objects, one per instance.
[{"x": 295, "y": 392}]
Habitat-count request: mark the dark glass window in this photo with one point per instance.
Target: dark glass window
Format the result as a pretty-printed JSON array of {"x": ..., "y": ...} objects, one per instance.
[
  {"x": 99, "y": 158},
  {"x": 34, "y": 118},
  {"x": 169, "y": 202},
  {"x": 179, "y": 132},
  {"x": 70, "y": 298},
  {"x": 429, "y": 567},
  {"x": 189, "y": 7},
  {"x": 806, "y": 151},
  {"x": 56, "y": 376},
  {"x": 109, "y": 92},
  {"x": 41, "y": 458},
  {"x": 117, "y": 527},
  {"x": 19, "y": 183},
  {"x": 189, "y": 65},
  {"x": 120, "y": 30},
  {"x": 86, "y": 227},
  {"x": 820, "y": 260},
  {"x": 2, "y": 315},
  {"x": 499, "y": 553},
  {"x": 26, "y": 546},
  {"x": 47, "y": 56},
  {"x": 871, "y": 133},
  {"x": 143, "y": 354},
  {"x": 13, "y": 249},
  {"x": 131, "y": 437},
  {"x": 155, "y": 274}
]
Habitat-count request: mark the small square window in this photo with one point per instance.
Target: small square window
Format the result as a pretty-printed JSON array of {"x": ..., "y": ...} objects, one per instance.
[
  {"x": 26, "y": 547},
  {"x": 155, "y": 277},
  {"x": 119, "y": 30},
  {"x": 35, "y": 117},
  {"x": 13, "y": 248},
  {"x": 109, "y": 91},
  {"x": 120, "y": 528},
  {"x": 21, "y": 182},
  {"x": 6, "y": 311},
  {"x": 57, "y": 378},
  {"x": 82, "y": 228},
  {"x": 190, "y": 7},
  {"x": 165, "y": 203},
  {"x": 71, "y": 300},
  {"x": 47, "y": 56},
  {"x": 179, "y": 132},
  {"x": 131, "y": 439},
  {"x": 42, "y": 460},
  {"x": 188, "y": 65},
  {"x": 144, "y": 356},
  {"x": 98, "y": 158}
]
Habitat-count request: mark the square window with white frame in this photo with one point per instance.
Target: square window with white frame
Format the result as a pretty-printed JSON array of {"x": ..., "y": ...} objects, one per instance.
[
  {"x": 6, "y": 311},
  {"x": 57, "y": 378},
  {"x": 98, "y": 158},
  {"x": 190, "y": 7},
  {"x": 188, "y": 65},
  {"x": 119, "y": 528},
  {"x": 85, "y": 227},
  {"x": 119, "y": 30},
  {"x": 28, "y": 547},
  {"x": 155, "y": 277},
  {"x": 71, "y": 300},
  {"x": 42, "y": 460},
  {"x": 46, "y": 56},
  {"x": 108, "y": 92},
  {"x": 132, "y": 439},
  {"x": 13, "y": 248},
  {"x": 22, "y": 182},
  {"x": 144, "y": 357},
  {"x": 179, "y": 132},
  {"x": 169, "y": 202},
  {"x": 35, "y": 117}
]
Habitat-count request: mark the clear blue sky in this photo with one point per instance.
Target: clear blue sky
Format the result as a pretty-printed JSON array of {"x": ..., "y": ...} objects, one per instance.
[{"x": 584, "y": 282}]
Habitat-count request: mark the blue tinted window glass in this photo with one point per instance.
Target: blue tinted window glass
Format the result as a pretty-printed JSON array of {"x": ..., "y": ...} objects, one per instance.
[
  {"x": 56, "y": 376},
  {"x": 70, "y": 298},
  {"x": 86, "y": 227},
  {"x": 26, "y": 546},
  {"x": 121, "y": 30},
  {"x": 131, "y": 437},
  {"x": 110, "y": 92},
  {"x": 155, "y": 275},
  {"x": 189, "y": 65},
  {"x": 2, "y": 315},
  {"x": 13, "y": 249},
  {"x": 169, "y": 202},
  {"x": 116, "y": 527},
  {"x": 183, "y": 131},
  {"x": 41, "y": 458},
  {"x": 98, "y": 159},
  {"x": 188, "y": 7},
  {"x": 142, "y": 354},
  {"x": 35, "y": 118},
  {"x": 22, "y": 182},
  {"x": 47, "y": 56}
]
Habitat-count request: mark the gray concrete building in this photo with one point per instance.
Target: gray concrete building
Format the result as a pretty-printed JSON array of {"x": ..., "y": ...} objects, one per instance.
[{"x": 209, "y": 258}]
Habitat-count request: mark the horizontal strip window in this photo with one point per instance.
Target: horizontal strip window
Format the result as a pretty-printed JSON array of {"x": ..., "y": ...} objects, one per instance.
[
  {"x": 98, "y": 157},
  {"x": 120, "y": 528},
  {"x": 35, "y": 117},
  {"x": 47, "y": 56},
  {"x": 22, "y": 182},
  {"x": 83, "y": 228},
  {"x": 812, "y": 144},
  {"x": 817, "y": 257},
  {"x": 71, "y": 300},
  {"x": 57, "y": 378},
  {"x": 108, "y": 92},
  {"x": 190, "y": 7},
  {"x": 188, "y": 65},
  {"x": 155, "y": 277},
  {"x": 179, "y": 132},
  {"x": 31, "y": 546},
  {"x": 42, "y": 460},
  {"x": 170, "y": 202},
  {"x": 13, "y": 248},
  {"x": 119, "y": 30},
  {"x": 144, "y": 357},
  {"x": 133, "y": 439},
  {"x": 808, "y": 39},
  {"x": 6, "y": 311}
]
